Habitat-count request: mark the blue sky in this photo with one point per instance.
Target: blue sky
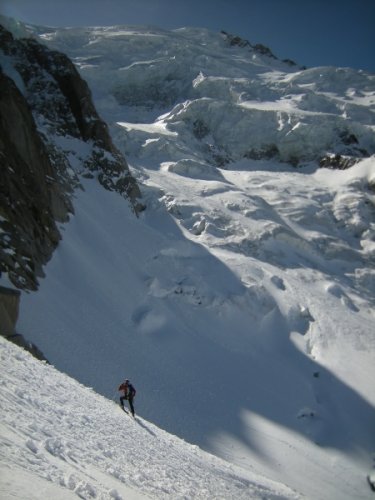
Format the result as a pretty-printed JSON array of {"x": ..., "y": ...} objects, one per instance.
[{"x": 311, "y": 32}]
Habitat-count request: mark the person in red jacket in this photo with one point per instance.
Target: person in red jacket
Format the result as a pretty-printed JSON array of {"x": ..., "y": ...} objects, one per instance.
[{"x": 128, "y": 394}]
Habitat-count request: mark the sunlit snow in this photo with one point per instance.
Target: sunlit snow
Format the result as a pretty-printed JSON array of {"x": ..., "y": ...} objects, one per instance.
[
  {"x": 60, "y": 440},
  {"x": 241, "y": 302}
]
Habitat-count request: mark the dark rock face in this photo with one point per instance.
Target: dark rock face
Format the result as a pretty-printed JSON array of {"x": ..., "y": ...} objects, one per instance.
[
  {"x": 27, "y": 186},
  {"x": 236, "y": 41},
  {"x": 45, "y": 108},
  {"x": 337, "y": 162},
  {"x": 9, "y": 307}
]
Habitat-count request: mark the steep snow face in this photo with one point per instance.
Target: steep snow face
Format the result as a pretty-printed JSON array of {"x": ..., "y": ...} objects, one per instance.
[
  {"x": 241, "y": 303},
  {"x": 225, "y": 102},
  {"x": 244, "y": 320},
  {"x": 61, "y": 440}
]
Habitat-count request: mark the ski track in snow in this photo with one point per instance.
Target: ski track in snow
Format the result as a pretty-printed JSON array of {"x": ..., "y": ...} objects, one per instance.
[{"x": 75, "y": 441}]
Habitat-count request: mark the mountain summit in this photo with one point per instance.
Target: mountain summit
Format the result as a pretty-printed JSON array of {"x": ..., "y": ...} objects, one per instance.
[{"x": 221, "y": 101}]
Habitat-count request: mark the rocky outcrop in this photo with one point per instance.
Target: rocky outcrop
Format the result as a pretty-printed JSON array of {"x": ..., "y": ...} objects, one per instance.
[
  {"x": 337, "y": 161},
  {"x": 28, "y": 192},
  {"x": 46, "y": 112},
  {"x": 9, "y": 307},
  {"x": 236, "y": 41}
]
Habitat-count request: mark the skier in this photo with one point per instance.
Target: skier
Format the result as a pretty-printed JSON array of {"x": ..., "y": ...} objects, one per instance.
[{"x": 129, "y": 394}]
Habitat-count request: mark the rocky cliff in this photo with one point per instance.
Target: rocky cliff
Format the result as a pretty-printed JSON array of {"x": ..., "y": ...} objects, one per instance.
[
  {"x": 50, "y": 136},
  {"x": 9, "y": 307}
]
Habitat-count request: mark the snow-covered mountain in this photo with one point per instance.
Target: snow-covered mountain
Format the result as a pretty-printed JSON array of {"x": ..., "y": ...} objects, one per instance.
[
  {"x": 218, "y": 101},
  {"x": 241, "y": 302}
]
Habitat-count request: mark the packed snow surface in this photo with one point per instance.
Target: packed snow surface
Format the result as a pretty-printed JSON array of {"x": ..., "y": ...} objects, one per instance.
[
  {"x": 60, "y": 440},
  {"x": 241, "y": 302}
]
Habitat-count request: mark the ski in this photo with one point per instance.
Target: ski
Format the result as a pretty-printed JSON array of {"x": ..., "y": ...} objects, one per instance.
[{"x": 128, "y": 412}]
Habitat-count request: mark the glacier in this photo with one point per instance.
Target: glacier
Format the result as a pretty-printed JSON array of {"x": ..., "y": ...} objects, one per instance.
[{"x": 241, "y": 302}]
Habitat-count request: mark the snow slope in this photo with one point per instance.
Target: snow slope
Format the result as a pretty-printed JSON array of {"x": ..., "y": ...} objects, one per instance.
[
  {"x": 250, "y": 360},
  {"x": 60, "y": 440},
  {"x": 241, "y": 302}
]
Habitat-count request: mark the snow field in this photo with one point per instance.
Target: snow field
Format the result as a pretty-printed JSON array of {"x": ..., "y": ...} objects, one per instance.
[
  {"x": 241, "y": 303},
  {"x": 62, "y": 439},
  {"x": 250, "y": 396}
]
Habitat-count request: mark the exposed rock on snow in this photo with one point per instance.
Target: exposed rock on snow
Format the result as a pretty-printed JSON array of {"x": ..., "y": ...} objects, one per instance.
[
  {"x": 235, "y": 40},
  {"x": 30, "y": 198},
  {"x": 46, "y": 115},
  {"x": 9, "y": 309},
  {"x": 337, "y": 161}
]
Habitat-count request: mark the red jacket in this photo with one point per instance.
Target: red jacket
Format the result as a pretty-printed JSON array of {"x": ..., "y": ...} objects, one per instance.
[{"x": 128, "y": 389}]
